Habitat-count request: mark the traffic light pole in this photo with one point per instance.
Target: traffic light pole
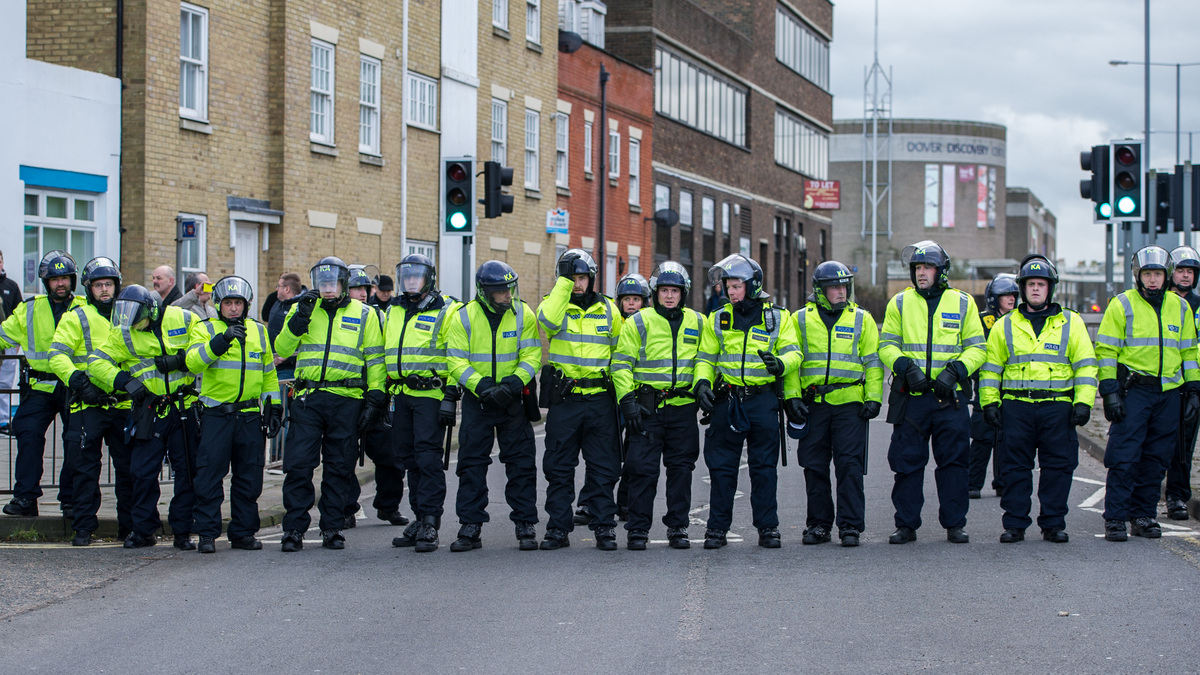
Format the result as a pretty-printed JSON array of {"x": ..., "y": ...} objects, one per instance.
[
  {"x": 1108, "y": 260},
  {"x": 466, "y": 268}
]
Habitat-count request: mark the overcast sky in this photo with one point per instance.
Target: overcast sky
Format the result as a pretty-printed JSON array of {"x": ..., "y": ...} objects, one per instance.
[{"x": 1039, "y": 67}]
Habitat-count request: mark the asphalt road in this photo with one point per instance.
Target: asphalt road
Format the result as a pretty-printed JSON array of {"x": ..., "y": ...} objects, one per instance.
[{"x": 1087, "y": 606}]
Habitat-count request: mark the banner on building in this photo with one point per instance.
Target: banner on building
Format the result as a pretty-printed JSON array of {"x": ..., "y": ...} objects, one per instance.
[
  {"x": 557, "y": 221},
  {"x": 981, "y": 197},
  {"x": 823, "y": 194},
  {"x": 966, "y": 174},
  {"x": 991, "y": 207},
  {"x": 948, "y": 188},
  {"x": 932, "y": 188}
]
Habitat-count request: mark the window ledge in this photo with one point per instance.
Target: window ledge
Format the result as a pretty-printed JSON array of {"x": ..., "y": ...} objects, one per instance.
[
  {"x": 370, "y": 159},
  {"x": 635, "y": 208},
  {"x": 562, "y": 191},
  {"x": 322, "y": 149},
  {"x": 533, "y": 194},
  {"x": 195, "y": 125},
  {"x": 588, "y": 175},
  {"x": 533, "y": 46},
  {"x": 500, "y": 32},
  {"x": 612, "y": 181}
]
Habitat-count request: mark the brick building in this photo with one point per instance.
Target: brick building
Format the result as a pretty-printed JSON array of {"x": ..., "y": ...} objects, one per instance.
[
  {"x": 629, "y": 120},
  {"x": 1031, "y": 227},
  {"x": 743, "y": 115}
]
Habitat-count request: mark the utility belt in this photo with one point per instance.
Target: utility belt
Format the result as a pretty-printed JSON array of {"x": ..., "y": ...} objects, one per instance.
[
  {"x": 1040, "y": 394},
  {"x": 811, "y": 392},
  {"x": 650, "y": 398},
  {"x": 231, "y": 408},
  {"x": 42, "y": 375},
  {"x": 418, "y": 382},
  {"x": 557, "y": 387},
  {"x": 1128, "y": 379},
  {"x": 349, "y": 383},
  {"x": 743, "y": 392}
]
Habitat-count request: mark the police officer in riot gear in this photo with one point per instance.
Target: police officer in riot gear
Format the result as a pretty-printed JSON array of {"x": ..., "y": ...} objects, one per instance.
[
  {"x": 654, "y": 370},
  {"x": 840, "y": 383},
  {"x": 582, "y": 326},
  {"x": 633, "y": 295},
  {"x": 97, "y": 417},
  {"x": 1039, "y": 383},
  {"x": 424, "y": 401},
  {"x": 1149, "y": 381},
  {"x": 1186, "y": 262},
  {"x": 338, "y": 396},
  {"x": 240, "y": 404},
  {"x": 493, "y": 351},
  {"x": 31, "y": 327},
  {"x": 931, "y": 340},
  {"x": 1000, "y": 298}
]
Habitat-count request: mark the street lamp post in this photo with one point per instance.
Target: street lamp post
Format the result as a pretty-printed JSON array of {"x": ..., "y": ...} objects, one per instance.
[{"x": 1178, "y": 67}]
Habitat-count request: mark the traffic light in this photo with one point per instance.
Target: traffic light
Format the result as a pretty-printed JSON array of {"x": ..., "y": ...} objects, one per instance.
[
  {"x": 1096, "y": 188},
  {"x": 1163, "y": 199},
  {"x": 1128, "y": 191},
  {"x": 458, "y": 191},
  {"x": 495, "y": 202}
]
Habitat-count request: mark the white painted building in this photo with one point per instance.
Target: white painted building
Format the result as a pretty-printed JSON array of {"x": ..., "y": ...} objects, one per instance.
[{"x": 61, "y": 157}]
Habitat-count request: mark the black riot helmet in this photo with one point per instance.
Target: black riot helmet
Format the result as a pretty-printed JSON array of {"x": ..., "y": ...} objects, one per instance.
[
  {"x": 359, "y": 278},
  {"x": 1000, "y": 285},
  {"x": 57, "y": 263},
  {"x": 494, "y": 276},
  {"x": 928, "y": 252},
  {"x": 101, "y": 267},
  {"x": 745, "y": 269},
  {"x": 418, "y": 279},
  {"x": 671, "y": 273},
  {"x": 827, "y": 275},
  {"x": 583, "y": 263},
  {"x": 1037, "y": 268},
  {"x": 328, "y": 271},
  {"x": 137, "y": 308},
  {"x": 633, "y": 284},
  {"x": 1185, "y": 257},
  {"x": 1151, "y": 258},
  {"x": 232, "y": 287}
]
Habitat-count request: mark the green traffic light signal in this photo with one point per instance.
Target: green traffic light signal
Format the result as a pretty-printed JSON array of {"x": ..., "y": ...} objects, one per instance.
[
  {"x": 1105, "y": 210},
  {"x": 457, "y": 220},
  {"x": 1126, "y": 205}
]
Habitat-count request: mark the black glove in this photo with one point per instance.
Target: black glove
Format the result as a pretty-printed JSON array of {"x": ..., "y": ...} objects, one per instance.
[
  {"x": 307, "y": 302},
  {"x": 943, "y": 386},
  {"x": 169, "y": 362},
  {"x": 915, "y": 379},
  {"x": 499, "y": 397},
  {"x": 566, "y": 264},
  {"x": 870, "y": 410},
  {"x": 219, "y": 344},
  {"x": 1081, "y": 414},
  {"x": 1114, "y": 408},
  {"x": 138, "y": 393},
  {"x": 514, "y": 385},
  {"x": 83, "y": 387},
  {"x": 447, "y": 411},
  {"x": 632, "y": 412},
  {"x": 991, "y": 415},
  {"x": 772, "y": 362},
  {"x": 235, "y": 331},
  {"x": 485, "y": 384},
  {"x": 274, "y": 420},
  {"x": 374, "y": 406},
  {"x": 796, "y": 411},
  {"x": 705, "y": 396},
  {"x": 1190, "y": 406}
]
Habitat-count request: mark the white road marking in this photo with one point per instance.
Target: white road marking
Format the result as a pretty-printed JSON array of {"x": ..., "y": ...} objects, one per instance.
[
  {"x": 1094, "y": 499},
  {"x": 1089, "y": 481}
]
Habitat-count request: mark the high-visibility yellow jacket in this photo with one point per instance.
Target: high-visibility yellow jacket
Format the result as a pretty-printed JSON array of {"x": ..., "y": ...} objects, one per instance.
[
  {"x": 733, "y": 354},
  {"x": 1019, "y": 362},
  {"x": 843, "y": 354},
  {"x": 649, "y": 353},
  {"x": 246, "y": 372},
  {"x": 79, "y": 332},
  {"x": 1158, "y": 343},
  {"x": 337, "y": 348},
  {"x": 474, "y": 351},
  {"x": 31, "y": 327},
  {"x": 134, "y": 351},
  {"x": 415, "y": 344},
  {"x": 952, "y": 332},
  {"x": 581, "y": 339}
]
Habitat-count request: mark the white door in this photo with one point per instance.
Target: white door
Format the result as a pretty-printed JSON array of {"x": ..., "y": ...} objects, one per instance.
[{"x": 245, "y": 260}]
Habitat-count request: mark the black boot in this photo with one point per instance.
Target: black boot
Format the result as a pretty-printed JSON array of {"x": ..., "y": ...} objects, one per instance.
[
  {"x": 555, "y": 539},
  {"x": 636, "y": 540},
  {"x": 408, "y": 537},
  {"x": 1012, "y": 535},
  {"x": 135, "y": 540},
  {"x": 246, "y": 543},
  {"x": 293, "y": 540},
  {"x": 526, "y": 536},
  {"x": 677, "y": 537},
  {"x": 333, "y": 540},
  {"x": 1145, "y": 527},
  {"x": 817, "y": 534},
  {"x": 1177, "y": 509},
  {"x": 208, "y": 545},
  {"x": 183, "y": 542},
  {"x": 21, "y": 506},
  {"x": 903, "y": 535},
  {"x": 582, "y": 515},
  {"x": 606, "y": 538},
  {"x": 68, "y": 510},
  {"x": 468, "y": 538},
  {"x": 392, "y": 516},
  {"x": 768, "y": 537},
  {"x": 427, "y": 540},
  {"x": 82, "y": 538},
  {"x": 714, "y": 538}
]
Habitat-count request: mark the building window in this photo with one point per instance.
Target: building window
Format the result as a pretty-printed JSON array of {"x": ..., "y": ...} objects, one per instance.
[
  {"x": 193, "y": 62},
  {"x": 562, "y": 123},
  {"x": 533, "y": 21},
  {"x": 633, "y": 265},
  {"x": 422, "y": 105},
  {"x": 708, "y": 213},
  {"x": 585, "y": 17},
  {"x": 192, "y": 250},
  {"x": 368, "y": 105},
  {"x": 685, "y": 208},
  {"x": 587, "y": 148},
  {"x": 800, "y": 48},
  {"x": 500, "y": 132},
  {"x": 531, "y": 149},
  {"x": 320, "y": 129},
  {"x": 699, "y": 98},
  {"x": 425, "y": 248},
  {"x": 56, "y": 220},
  {"x": 635, "y": 171},
  {"x": 800, "y": 146},
  {"x": 614, "y": 154},
  {"x": 500, "y": 14},
  {"x": 662, "y": 197}
]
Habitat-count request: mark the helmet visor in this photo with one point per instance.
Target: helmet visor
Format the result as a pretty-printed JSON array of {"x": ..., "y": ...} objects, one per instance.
[
  {"x": 325, "y": 279},
  {"x": 232, "y": 287},
  {"x": 736, "y": 267},
  {"x": 130, "y": 315},
  {"x": 1185, "y": 256},
  {"x": 415, "y": 278},
  {"x": 500, "y": 297},
  {"x": 928, "y": 252},
  {"x": 1152, "y": 257}
]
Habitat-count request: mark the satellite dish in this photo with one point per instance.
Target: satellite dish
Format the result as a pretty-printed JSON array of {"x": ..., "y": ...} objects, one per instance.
[
  {"x": 568, "y": 42},
  {"x": 666, "y": 218}
]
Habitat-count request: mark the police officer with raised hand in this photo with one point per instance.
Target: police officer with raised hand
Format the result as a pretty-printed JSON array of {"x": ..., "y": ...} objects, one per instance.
[
  {"x": 1039, "y": 383},
  {"x": 749, "y": 344},
  {"x": 97, "y": 417},
  {"x": 424, "y": 401},
  {"x": 653, "y": 371},
  {"x": 932, "y": 340},
  {"x": 31, "y": 327},
  {"x": 1186, "y": 262},
  {"x": 376, "y": 442},
  {"x": 338, "y": 396},
  {"x": 840, "y": 383},
  {"x": 240, "y": 404},
  {"x": 582, "y": 326},
  {"x": 1000, "y": 298},
  {"x": 493, "y": 351},
  {"x": 144, "y": 356},
  {"x": 1146, "y": 349}
]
